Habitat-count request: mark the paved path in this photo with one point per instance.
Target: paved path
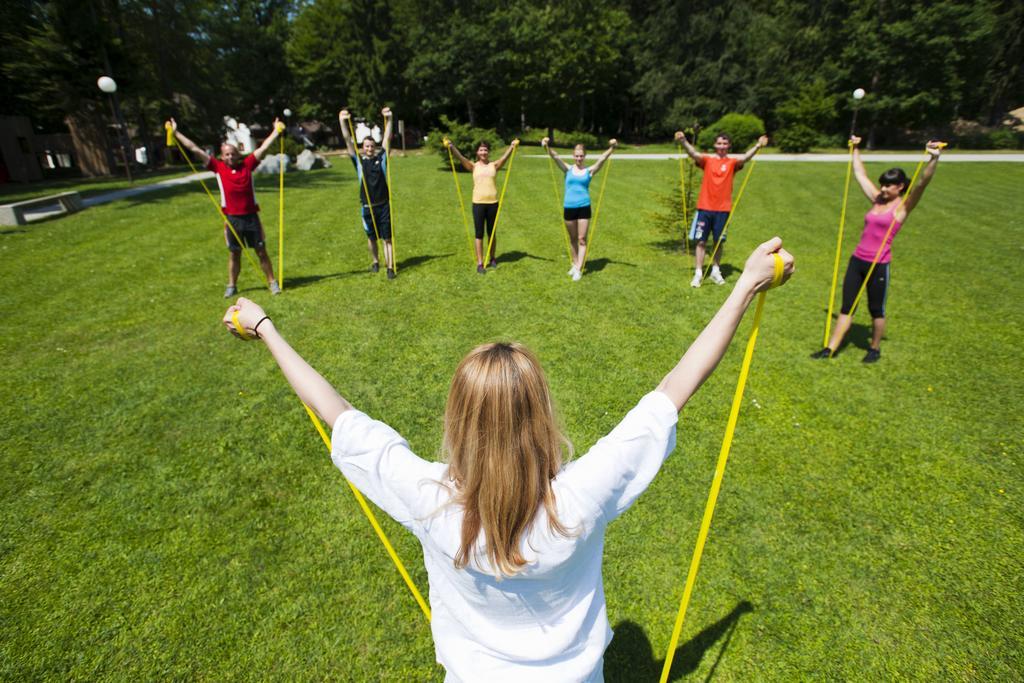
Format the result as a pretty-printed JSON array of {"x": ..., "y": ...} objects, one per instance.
[{"x": 946, "y": 158}]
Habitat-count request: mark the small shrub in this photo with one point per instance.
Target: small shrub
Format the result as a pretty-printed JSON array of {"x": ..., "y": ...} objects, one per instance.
[
  {"x": 794, "y": 139},
  {"x": 562, "y": 138},
  {"x": 464, "y": 136},
  {"x": 1003, "y": 138},
  {"x": 743, "y": 129}
]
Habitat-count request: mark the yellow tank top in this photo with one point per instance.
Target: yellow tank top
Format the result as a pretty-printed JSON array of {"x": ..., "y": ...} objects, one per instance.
[{"x": 484, "y": 189}]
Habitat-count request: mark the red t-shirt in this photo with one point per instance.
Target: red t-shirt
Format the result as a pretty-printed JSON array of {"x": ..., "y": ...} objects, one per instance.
[
  {"x": 237, "y": 196},
  {"x": 716, "y": 187}
]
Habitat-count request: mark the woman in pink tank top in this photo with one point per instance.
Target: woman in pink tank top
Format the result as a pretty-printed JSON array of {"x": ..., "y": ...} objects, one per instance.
[{"x": 881, "y": 223}]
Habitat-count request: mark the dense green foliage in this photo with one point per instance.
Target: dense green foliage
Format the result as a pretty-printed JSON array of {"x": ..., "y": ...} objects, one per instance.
[
  {"x": 168, "y": 513},
  {"x": 611, "y": 67},
  {"x": 743, "y": 130}
]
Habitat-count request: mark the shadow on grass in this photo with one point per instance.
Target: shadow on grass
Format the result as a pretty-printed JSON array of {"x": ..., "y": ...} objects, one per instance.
[
  {"x": 13, "y": 231},
  {"x": 630, "y": 657},
  {"x": 671, "y": 246},
  {"x": 513, "y": 256},
  {"x": 414, "y": 261},
  {"x": 859, "y": 336},
  {"x": 305, "y": 280},
  {"x": 599, "y": 264}
]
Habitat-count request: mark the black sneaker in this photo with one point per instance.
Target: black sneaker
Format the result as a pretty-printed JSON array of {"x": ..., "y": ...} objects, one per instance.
[
  {"x": 824, "y": 353},
  {"x": 374, "y": 267},
  {"x": 480, "y": 269},
  {"x": 391, "y": 274},
  {"x": 493, "y": 263},
  {"x": 872, "y": 356}
]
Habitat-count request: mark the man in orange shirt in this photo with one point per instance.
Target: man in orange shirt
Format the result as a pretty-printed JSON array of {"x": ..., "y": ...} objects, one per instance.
[{"x": 715, "y": 200}]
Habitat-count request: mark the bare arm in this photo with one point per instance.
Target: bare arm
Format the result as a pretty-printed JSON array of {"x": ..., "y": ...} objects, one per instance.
[
  {"x": 188, "y": 144},
  {"x": 466, "y": 163},
  {"x": 312, "y": 389},
  {"x": 504, "y": 157},
  {"x": 860, "y": 173},
  {"x": 935, "y": 149},
  {"x": 612, "y": 144},
  {"x": 345, "y": 120},
  {"x": 262, "y": 149},
  {"x": 761, "y": 142},
  {"x": 388, "y": 126},
  {"x": 691, "y": 151},
  {"x": 561, "y": 164},
  {"x": 707, "y": 350}
]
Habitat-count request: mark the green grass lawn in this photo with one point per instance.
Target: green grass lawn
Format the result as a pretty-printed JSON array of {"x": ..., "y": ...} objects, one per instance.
[
  {"x": 168, "y": 512},
  {"x": 87, "y": 187}
]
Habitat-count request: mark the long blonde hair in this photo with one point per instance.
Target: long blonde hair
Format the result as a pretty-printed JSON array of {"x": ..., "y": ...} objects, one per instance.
[{"x": 503, "y": 448}]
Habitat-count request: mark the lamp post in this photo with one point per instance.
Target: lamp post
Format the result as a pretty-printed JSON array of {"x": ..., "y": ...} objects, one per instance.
[{"x": 109, "y": 86}]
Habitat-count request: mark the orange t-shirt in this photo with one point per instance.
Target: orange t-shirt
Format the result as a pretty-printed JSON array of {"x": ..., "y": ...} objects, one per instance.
[{"x": 716, "y": 187}]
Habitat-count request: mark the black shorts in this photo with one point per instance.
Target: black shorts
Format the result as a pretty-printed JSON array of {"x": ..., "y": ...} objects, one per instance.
[
  {"x": 249, "y": 228},
  {"x": 708, "y": 223},
  {"x": 381, "y": 220},
  {"x": 878, "y": 288},
  {"x": 579, "y": 213},
  {"x": 484, "y": 214}
]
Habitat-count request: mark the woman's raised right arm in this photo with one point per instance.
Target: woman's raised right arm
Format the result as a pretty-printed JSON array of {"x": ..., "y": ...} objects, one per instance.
[
  {"x": 311, "y": 388},
  {"x": 547, "y": 148},
  {"x": 861, "y": 173}
]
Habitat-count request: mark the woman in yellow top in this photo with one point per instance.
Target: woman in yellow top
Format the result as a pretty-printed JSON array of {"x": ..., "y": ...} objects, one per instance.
[{"x": 485, "y": 194}]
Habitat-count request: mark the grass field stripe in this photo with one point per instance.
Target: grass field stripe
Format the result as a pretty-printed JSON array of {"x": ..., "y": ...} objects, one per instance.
[
  {"x": 839, "y": 247},
  {"x": 558, "y": 202},
  {"x": 716, "y": 485},
  {"x": 501, "y": 202},
  {"x": 682, "y": 192},
  {"x": 597, "y": 212},
  {"x": 366, "y": 190},
  {"x": 462, "y": 204},
  {"x": 373, "y": 520},
  {"x": 220, "y": 212},
  {"x": 238, "y": 326},
  {"x": 280, "y": 220},
  {"x": 732, "y": 213},
  {"x": 881, "y": 247}
]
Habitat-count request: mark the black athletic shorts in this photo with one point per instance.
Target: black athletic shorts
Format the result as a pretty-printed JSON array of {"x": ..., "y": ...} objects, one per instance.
[
  {"x": 381, "y": 220},
  {"x": 249, "y": 228},
  {"x": 878, "y": 288},
  {"x": 707, "y": 223},
  {"x": 484, "y": 214},
  {"x": 580, "y": 213}
]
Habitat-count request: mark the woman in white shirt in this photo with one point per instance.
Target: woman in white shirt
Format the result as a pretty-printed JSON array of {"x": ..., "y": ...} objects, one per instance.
[{"x": 512, "y": 539}]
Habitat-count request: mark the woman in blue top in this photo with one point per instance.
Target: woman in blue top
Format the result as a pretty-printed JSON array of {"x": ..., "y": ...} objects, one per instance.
[{"x": 576, "y": 205}]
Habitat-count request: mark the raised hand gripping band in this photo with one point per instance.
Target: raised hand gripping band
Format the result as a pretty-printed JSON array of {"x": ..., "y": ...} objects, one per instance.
[{"x": 238, "y": 326}]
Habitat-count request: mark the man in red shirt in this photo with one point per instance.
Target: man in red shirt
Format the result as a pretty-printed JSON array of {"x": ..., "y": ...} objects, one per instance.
[
  {"x": 715, "y": 199},
  {"x": 238, "y": 202}
]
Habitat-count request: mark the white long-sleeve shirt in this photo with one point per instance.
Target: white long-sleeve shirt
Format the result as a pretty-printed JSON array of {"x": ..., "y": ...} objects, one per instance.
[{"x": 549, "y": 621}]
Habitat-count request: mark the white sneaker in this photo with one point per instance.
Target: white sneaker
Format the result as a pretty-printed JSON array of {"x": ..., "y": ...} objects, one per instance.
[
  {"x": 716, "y": 277},
  {"x": 576, "y": 276},
  {"x": 695, "y": 282}
]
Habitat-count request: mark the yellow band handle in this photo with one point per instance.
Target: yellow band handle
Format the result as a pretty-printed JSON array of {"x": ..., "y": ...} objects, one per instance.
[
  {"x": 779, "y": 271},
  {"x": 238, "y": 326},
  {"x": 280, "y": 127},
  {"x": 170, "y": 135},
  {"x": 943, "y": 145}
]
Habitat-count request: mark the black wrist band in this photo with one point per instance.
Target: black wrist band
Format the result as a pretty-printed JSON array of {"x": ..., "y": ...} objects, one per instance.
[{"x": 256, "y": 329}]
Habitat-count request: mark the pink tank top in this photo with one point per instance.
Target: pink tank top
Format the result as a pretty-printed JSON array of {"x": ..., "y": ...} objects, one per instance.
[{"x": 875, "y": 227}]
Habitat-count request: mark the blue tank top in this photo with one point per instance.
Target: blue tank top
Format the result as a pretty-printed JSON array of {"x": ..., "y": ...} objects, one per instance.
[{"x": 577, "y": 189}]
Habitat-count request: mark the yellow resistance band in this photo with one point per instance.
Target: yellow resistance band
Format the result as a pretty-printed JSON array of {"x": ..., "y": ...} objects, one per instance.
[
  {"x": 597, "y": 212},
  {"x": 716, "y": 484},
  {"x": 280, "y": 214},
  {"x": 839, "y": 246},
  {"x": 881, "y": 246},
  {"x": 359, "y": 497},
  {"x": 682, "y": 192},
  {"x": 373, "y": 521},
  {"x": 732, "y": 213},
  {"x": 366, "y": 191},
  {"x": 501, "y": 202},
  {"x": 558, "y": 201},
  {"x": 391, "y": 209},
  {"x": 462, "y": 204},
  {"x": 220, "y": 212}
]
